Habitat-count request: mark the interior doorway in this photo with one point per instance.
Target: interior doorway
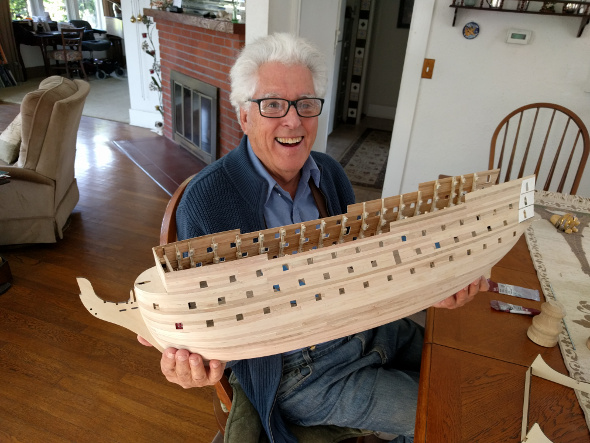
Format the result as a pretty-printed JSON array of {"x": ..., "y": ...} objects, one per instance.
[
  {"x": 373, "y": 48},
  {"x": 372, "y": 58}
]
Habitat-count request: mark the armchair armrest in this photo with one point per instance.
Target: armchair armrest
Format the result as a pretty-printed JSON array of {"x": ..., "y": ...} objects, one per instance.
[{"x": 27, "y": 175}]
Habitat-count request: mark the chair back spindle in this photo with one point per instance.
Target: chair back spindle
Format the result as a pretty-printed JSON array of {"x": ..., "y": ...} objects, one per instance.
[
  {"x": 528, "y": 146},
  {"x": 548, "y": 137}
]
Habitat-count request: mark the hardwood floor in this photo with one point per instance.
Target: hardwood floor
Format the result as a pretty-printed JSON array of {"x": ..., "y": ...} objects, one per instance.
[
  {"x": 162, "y": 159},
  {"x": 65, "y": 375}
]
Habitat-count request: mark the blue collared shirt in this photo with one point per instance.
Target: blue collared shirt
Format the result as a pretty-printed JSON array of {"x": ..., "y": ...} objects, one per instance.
[{"x": 280, "y": 209}]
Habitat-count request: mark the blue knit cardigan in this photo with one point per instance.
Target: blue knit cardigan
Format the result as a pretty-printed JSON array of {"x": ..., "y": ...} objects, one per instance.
[{"x": 229, "y": 194}]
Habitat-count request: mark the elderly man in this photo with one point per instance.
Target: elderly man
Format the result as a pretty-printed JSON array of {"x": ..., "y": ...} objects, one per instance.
[{"x": 368, "y": 380}]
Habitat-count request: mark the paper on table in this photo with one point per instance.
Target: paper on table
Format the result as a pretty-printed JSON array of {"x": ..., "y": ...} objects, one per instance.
[
  {"x": 543, "y": 370},
  {"x": 535, "y": 435}
]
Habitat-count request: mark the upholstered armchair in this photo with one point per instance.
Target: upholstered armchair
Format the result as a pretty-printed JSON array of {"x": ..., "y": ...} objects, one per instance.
[{"x": 42, "y": 192}]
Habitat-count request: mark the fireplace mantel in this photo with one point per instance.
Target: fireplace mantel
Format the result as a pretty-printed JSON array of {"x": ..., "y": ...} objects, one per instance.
[
  {"x": 197, "y": 21},
  {"x": 203, "y": 49}
]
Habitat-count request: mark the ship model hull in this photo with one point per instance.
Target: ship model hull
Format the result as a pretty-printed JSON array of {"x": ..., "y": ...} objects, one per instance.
[{"x": 231, "y": 296}]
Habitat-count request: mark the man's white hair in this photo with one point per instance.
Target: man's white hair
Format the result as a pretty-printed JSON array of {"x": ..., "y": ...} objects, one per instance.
[{"x": 283, "y": 48}]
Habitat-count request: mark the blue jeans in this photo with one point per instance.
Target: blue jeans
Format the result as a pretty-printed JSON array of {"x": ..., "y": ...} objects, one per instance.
[{"x": 366, "y": 381}]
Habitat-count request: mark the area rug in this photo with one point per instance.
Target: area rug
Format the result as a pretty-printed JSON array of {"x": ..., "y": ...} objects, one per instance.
[
  {"x": 108, "y": 98},
  {"x": 365, "y": 161},
  {"x": 561, "y": 261}
]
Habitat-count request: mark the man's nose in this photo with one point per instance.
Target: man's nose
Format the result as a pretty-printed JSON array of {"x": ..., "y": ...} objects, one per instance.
[{"x": 292, "y": 118}]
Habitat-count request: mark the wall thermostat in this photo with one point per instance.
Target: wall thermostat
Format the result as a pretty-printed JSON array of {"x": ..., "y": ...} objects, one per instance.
[{"x": 519, "y": 36}]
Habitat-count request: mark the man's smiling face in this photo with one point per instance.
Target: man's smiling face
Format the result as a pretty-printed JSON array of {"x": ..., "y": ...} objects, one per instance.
[{"x": 282, "y": 144}]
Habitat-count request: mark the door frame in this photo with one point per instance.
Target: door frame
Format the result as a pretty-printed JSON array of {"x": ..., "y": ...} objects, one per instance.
[{"x": 408, "y": 97}]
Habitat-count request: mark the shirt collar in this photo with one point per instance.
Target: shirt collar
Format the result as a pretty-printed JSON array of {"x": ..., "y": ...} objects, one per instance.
[{"x": 309, "y": 169}]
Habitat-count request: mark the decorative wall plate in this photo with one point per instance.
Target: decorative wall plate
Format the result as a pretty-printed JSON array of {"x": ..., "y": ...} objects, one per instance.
[{"x": 471, "y": 30}]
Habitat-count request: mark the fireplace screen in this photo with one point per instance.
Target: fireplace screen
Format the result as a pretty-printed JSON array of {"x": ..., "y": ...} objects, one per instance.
[{"x": 194, "y": 115}]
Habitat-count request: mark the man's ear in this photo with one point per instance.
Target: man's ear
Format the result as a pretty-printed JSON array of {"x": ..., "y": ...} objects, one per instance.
[{"x": 244, "y": 120}]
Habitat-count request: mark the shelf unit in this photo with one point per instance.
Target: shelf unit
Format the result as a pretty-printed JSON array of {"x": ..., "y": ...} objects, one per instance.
[
  {"x": 6, "y": 77},
  {"x": 579, "y": 9}
]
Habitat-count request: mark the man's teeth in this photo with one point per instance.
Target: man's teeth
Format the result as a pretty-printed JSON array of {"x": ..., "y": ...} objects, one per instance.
[{"x": 289, "y": 140}]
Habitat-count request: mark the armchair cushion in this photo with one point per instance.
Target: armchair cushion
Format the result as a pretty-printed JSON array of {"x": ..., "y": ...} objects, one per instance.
[
  {"x": 68, "y": 55},
  {"x": 37, "y": 108},
  {"x": 10, "y": 141}
]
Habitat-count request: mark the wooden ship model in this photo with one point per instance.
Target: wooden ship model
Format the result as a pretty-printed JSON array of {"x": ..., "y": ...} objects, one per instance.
[{"x": 231, "y": 296}]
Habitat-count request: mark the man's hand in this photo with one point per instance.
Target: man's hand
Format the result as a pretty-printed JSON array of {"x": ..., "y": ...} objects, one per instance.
[
  {"x": 464, "y": 295},
  {"x": 187, "y": 370}
]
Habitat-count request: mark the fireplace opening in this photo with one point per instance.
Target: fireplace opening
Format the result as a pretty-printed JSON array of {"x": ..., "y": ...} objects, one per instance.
[{"x": 194, "y": 115}]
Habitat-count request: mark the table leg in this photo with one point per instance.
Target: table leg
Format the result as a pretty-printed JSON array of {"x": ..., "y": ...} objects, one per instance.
[
  {"x": 21, "y": 61},
  {"x": 45, "y": 58}
]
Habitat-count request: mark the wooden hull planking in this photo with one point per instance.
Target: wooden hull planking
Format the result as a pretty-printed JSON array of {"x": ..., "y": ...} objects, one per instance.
[{"x": 231, "y": 296}]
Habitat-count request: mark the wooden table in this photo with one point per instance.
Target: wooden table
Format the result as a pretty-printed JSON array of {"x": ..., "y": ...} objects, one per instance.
[
  {"x": 473, "y": 370},
  {"x": 23, "y": 35}
]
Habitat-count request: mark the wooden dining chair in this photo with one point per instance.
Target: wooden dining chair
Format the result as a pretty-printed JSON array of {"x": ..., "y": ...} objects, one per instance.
[
  {"x": 222, "y": 402},
  {"x": 544, "y": 139},
  {"x": 168, "y": 234},
  {"x": 70, "y": 52}
]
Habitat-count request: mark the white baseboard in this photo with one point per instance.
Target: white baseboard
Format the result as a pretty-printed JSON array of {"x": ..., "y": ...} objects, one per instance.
[
  {"x": 381, "y": 111},
  {"x": 144, "y": 119}
]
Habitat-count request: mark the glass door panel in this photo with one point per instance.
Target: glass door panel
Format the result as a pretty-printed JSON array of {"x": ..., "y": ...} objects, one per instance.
[{"x": 206, "y": 124}]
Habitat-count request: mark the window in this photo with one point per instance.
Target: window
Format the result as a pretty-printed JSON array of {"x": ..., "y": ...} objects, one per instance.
[
  {"x": 61, "y": 10},
  {"x": 19, "y": 9},
  {"x": 57, "y": 10},
  {"x": 91, "y": 11}
]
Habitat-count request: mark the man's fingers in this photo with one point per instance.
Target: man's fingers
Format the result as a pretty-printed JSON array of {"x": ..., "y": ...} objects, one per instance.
[
  {"x": 168, "y": 363},
  {"x": 448, "y": 303},
  {"x": 216, "y": 369},
  {"x": 143, "y": 341},
  {"x": 198, "y": 370},
  {"x": 481, "y": 284},
  {"x": 183, "y": 369},
  {"x": 484, "y": 284},
  {"x": 203, "y": 375}
]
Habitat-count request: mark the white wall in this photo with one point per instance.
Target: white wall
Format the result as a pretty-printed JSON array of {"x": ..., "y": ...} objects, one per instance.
[
  {"x": 319, "y": 22},
  {"x": 477, "y": 82},
  {"x": 384, "y": 71},
  {"x": 257, "y": 20},
  {"x": 31, "y": 56},
  {"x": 143, "y": 101}
]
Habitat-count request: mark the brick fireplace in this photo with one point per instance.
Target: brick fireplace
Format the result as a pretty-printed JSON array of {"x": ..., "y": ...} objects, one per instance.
[{"x": 203, "y": 49}]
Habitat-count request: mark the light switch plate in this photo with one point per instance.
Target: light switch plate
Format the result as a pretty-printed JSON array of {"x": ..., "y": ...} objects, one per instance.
[{"x": 428, "y": 68}]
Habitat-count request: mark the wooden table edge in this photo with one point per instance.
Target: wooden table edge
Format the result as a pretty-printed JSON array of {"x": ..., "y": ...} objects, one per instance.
[{"x": 424, "y": 383}]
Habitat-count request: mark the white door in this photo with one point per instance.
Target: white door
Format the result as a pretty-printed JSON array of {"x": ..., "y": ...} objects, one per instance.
[{"x": 408, "y": 96}]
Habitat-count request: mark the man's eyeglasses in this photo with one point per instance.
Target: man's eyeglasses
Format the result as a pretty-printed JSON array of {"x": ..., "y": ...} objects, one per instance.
[{"x": 279, "y": 107}]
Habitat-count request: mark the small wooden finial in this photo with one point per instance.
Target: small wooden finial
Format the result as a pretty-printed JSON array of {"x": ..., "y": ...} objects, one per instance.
[{"x": 547, "y": 325}]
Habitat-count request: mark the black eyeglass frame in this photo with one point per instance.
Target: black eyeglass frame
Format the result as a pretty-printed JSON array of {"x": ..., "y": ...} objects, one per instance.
[{"x": 291, "y": 103}]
